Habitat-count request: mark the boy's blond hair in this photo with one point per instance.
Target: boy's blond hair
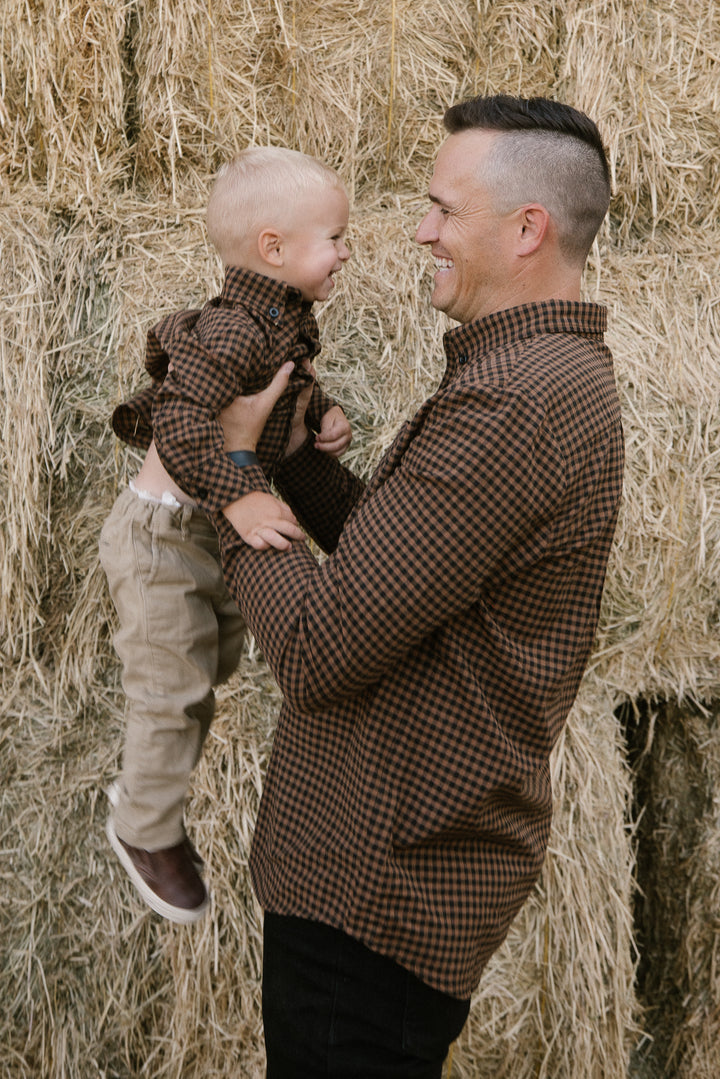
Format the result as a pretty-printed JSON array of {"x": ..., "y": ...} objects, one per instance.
[{"x": 260, "y": 187}]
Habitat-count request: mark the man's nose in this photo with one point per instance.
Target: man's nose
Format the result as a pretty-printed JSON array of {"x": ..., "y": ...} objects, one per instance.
[{"x": 425, "y": 233}]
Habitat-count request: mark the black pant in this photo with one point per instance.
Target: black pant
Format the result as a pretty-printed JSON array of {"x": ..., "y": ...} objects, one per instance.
[{"x": 333, "y": 1009}]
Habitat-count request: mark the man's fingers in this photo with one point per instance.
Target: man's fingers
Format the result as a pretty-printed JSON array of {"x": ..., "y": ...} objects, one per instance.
[
  {"x": 244, "y": 418},
  {"x": 275, "y": 389},
  {"x": 279, "y": 536},
  {"x": 276, "y": 540},
  {"x": 257, "y": 543}
]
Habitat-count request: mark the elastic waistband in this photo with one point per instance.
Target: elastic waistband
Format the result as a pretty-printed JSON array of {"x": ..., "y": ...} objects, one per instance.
[{"x": 181, "y": 514}]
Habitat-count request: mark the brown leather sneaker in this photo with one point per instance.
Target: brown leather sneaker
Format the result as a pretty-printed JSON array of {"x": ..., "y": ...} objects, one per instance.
[
  {"x": 193, "y": 854},
  {"x": 167, "y": 879},
  {"x": 113, "y": 793}
]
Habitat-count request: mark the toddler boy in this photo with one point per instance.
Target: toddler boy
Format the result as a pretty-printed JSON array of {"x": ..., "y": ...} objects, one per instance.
[{"x": 277, "y": 219}]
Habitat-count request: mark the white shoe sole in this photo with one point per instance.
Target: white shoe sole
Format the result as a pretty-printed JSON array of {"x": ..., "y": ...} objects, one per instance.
[{"x": 180, "y": 915}]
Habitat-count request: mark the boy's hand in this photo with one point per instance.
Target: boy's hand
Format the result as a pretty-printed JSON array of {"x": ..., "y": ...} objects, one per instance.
[
  {"x": 263, "y": 521},
  {"x": 335, "y": 434}
]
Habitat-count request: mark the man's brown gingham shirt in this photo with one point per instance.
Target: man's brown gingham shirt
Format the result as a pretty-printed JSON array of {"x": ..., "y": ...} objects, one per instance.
[
  {"x": 429, "y": 663},
  {"x": 199, "y": 361}
]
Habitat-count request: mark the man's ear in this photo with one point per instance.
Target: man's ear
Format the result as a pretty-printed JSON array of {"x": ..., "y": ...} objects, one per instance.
[
  {"x": 533, "y": 227},
  {"x": 270, "y": 247}
]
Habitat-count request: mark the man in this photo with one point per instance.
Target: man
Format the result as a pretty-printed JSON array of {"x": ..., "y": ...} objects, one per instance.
[{"x": 430, "y": 662}]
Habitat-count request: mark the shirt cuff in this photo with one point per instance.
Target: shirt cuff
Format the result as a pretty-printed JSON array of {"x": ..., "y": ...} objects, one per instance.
[{"x": 295, "y": 460}]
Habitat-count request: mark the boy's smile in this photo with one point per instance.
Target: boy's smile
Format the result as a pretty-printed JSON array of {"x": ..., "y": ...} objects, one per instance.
[{"x": 314, "y": 249}]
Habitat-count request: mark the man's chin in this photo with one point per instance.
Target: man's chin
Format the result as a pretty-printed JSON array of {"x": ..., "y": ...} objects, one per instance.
[
  {"x": 439, "y": 302},
  {"x": 436, "y": 299}
]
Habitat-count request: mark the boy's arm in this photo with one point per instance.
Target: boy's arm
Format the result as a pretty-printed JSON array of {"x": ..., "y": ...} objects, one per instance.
[
  {"x": 188, "y": 435},
  {"x": 317, "y": 487},
  {"x": 335, "y": 434},
  {"x": 318, "y": 405},
  {"x": 132, "y": 419}
]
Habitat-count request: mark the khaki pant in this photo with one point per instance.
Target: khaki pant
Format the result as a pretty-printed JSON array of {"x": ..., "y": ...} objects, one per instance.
[{"x": 180, "y": 634}]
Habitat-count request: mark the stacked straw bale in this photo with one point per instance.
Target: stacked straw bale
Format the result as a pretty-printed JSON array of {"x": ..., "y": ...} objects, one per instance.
[
  {"x": 113, "y": 118},
  {"x": 678, "y": 862},
  {"x": 650, "y": 70},
  {"x": 63, "y": 107}
]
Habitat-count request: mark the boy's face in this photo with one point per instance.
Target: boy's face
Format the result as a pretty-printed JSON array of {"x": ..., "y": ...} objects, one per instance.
[{"x": 314, "y": 247}]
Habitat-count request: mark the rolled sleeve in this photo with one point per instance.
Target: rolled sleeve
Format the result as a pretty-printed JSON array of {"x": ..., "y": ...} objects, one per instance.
[{"x": 201, "y": 382}]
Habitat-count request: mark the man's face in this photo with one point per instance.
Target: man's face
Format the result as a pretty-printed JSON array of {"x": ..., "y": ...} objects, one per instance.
[{"x": 469, "y": 241}]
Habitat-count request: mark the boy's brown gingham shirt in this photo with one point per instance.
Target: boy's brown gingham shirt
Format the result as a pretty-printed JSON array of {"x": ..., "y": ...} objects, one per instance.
[
  {"x": 199, "y": 361},
  {"x": 429, "y": 663}
]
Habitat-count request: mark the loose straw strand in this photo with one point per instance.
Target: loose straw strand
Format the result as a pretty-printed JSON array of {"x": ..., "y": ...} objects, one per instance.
[
  {"x": 543, "y": 991},
  {"x": 659, "y": 649},
  {"x": 294, "y": 58},
  {"x": 391, "y": 92},
  {"x": 477, "y": 47},
  {"x": 211, "y": 88}
]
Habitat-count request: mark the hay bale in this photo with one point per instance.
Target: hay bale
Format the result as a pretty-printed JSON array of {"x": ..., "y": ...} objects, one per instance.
[
  {"x": 104, "y": 167},
  {"x": 660, "y": 636},
  {"x": 675, "y": 753},
  {"x": 648, "y": 74},
  {"x": 92, "y": 983},
  {"x": 27, "y": 426},
  {"x": 360, "y": 84},
  {"x": 63, "y": 108}
]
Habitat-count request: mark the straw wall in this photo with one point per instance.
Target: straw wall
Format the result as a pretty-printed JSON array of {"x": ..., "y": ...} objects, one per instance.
[{"x": 113, "y": 117}]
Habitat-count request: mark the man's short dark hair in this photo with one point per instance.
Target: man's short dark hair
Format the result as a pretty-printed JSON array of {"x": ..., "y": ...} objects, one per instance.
[{"x": 553, "y": 154}]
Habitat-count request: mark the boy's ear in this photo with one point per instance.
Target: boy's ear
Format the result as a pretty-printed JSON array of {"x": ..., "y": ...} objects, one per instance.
[{"x": 270, "y": 247}]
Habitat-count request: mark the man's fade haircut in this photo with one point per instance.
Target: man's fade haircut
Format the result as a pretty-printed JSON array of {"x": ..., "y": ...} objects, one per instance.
[
  {"x": 260, "y": 187},
  {"x": 549, "y": 153}
]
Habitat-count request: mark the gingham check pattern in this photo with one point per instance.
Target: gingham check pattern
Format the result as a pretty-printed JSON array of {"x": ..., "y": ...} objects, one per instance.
[
  {"x": 429, "y": 663},
  {"x": 199, "y": 361}
]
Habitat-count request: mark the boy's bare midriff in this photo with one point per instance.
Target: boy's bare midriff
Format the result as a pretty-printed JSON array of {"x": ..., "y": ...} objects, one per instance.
[{"x": 153, "y": 479}]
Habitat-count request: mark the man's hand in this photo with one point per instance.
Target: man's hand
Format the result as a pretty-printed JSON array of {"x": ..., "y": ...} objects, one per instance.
[
  {"x": 263, "y": 521},
  {"x": 335, "y": 434},
  {"x": 244, "y": 419}
]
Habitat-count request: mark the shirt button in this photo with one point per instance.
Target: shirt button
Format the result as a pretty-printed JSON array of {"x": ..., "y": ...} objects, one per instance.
[
  {"x": 462, "y": 358},
  {"x": 274, "y": 312}
]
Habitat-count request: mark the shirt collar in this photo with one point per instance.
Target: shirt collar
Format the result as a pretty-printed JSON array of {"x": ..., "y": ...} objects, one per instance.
[
  {"x": 260, "y": 295},
  {"x": 504, "y": 328}
]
